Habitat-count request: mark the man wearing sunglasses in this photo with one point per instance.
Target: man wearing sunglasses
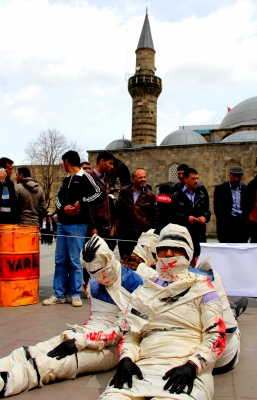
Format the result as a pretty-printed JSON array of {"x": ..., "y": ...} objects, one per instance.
[{"x": 175, "y": 326}]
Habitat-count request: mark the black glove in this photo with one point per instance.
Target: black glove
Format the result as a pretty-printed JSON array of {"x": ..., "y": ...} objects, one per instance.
[
  {"x": 126, "y": 369},
  {"x": 90, "y": 249},
  {"x": 66, "y": 348},
  {"x": 179, "y": 378}
]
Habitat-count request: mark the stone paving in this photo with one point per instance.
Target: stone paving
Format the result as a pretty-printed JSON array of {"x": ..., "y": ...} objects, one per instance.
[{"x": 27, "y": 325}]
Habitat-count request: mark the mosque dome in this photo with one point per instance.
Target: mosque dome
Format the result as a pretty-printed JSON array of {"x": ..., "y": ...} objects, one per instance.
[
  {"x": 119, "y": 144},
  {"x": 183, "y": 136},
  {"x": 244, "y": 113},
  {"x": 242, "y": 136}
]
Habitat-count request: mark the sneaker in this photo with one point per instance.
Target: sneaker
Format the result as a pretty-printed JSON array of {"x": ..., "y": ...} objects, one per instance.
[
  {"x": 54, "y": 300},
  {"x": 76, "y": 302},
  {"x": 241, "y": 305}
]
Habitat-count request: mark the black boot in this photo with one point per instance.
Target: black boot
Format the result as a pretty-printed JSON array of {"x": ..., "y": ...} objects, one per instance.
[{"x": 240, "y": 306}]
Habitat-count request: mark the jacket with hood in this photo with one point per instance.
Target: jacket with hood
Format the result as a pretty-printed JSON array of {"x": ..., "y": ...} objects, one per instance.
[{"x": 31, "y": 202}]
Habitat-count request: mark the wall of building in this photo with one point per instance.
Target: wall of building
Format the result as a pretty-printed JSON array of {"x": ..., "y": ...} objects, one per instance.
[{"x": 211, "y": 160}]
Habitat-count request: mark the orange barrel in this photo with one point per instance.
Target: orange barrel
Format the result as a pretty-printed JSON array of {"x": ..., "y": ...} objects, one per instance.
[{"x": 19, "y": 265}]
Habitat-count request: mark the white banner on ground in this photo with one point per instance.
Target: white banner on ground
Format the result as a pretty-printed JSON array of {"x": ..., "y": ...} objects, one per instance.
[{"x": 237, "y": 265}]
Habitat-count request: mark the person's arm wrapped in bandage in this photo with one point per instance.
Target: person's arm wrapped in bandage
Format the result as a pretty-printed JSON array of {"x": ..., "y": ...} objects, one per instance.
[
  {"x": 214, "y": 332},
  {"x": 129, "y": 349}
]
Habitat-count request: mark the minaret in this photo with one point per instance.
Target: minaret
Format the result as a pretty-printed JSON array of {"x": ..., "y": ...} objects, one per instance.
[{"x": 144, "y": 88}]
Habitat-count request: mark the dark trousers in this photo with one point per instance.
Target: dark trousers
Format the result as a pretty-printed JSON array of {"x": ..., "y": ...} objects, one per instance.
[
  {"x": 234, "y": 231},
  {"x": 105, "y": 234},
  {"x": 43, "y": 236},
  {"x": 252, "y": 226},
  {"x": 128, "y": 242}
]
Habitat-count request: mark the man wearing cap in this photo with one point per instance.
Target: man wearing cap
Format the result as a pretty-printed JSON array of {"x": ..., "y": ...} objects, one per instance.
[{"x": 229, "y": 200}]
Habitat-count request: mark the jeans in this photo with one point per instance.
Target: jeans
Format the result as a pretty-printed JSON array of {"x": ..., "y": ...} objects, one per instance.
[{"x": 68, "y": 273}]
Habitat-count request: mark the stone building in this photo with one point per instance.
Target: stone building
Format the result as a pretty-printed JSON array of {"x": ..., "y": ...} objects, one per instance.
[{"x": 234, "y": 142}]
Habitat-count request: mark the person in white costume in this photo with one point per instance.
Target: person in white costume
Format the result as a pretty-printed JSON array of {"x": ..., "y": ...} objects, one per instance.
[
  {"x": 231, "y": 312},
  {"x": 80, "y": 349},
  {"x": 176, "y": 328},
  {"x": 143, "y": 256}
]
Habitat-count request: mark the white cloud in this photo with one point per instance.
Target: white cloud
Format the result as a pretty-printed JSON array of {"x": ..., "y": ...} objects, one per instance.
[
  {"x": 63, "y": 63},
  {"x": 23, "y": 94},
  {"x": 198, "y": 117},
  {"x": 28, "y": 115}
]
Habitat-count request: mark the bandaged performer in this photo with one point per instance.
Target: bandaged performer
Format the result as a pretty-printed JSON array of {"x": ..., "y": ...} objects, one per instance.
[
  {"x": 176, "y": 328},
  {"x": 80, "y": 349},
  {"x": 231, "y": 312}
]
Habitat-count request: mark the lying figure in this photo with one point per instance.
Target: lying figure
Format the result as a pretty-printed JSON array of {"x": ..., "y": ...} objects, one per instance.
[
  {"x": 81, "y": 349},
  {"x": 176, "y": 329}
]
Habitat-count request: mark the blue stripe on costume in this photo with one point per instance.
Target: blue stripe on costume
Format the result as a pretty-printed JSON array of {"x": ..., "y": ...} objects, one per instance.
[
  {"x": 202, "y": 272},
  {"x": 130, "y": 280}
]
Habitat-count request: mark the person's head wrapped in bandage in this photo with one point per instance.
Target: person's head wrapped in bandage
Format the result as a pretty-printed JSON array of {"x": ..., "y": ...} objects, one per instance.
[
  {"x": 99, "y": 261},
  {"x": 174, "y": 251},
  {"x": 146, "y": 247}
]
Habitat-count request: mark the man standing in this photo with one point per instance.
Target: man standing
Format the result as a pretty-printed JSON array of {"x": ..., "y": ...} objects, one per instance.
[
  {"x": 77, "y": 192},
  {"x": 85, "y": 165},
  {"x": 181, "y": 170},
  {"x": 251, "y": 208},
  {"x": 164, "y": 205},
  {"x": 190, "y": 207},
  {"x": 8, "y": 201},
  {"x": 100, "y": 222},
  {"x": 31, "y": 198},
  {"x": 229, "y": 210},
  {"x": 136, "y": 211}
]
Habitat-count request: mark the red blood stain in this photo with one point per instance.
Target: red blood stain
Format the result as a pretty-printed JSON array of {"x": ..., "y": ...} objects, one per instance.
[
  {"x": 110, "y": 337},
  {"x": 172, "y": 264},
  {"x": 220, "y": 343},
  {"x": 120, "y": 344},
  {"x": 94, "y": 336},
  {"x": 208, "y": 283}
]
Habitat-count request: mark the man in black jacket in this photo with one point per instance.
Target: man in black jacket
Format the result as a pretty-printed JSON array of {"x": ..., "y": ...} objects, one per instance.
[
  {"x": 136, "y": 211},
  {"x": 77, "y": 192},
  {"x": 190, "y": 206},
  {"x": 8, "y": 200},
  {"x": 229, "y": 208},
  {"x": 251, "y": 208}
]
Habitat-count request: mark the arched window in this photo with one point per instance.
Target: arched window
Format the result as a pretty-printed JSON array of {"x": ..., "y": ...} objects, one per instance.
[
  {"x": 228, "y": 165},
  {"x": 173, "y": 173}
]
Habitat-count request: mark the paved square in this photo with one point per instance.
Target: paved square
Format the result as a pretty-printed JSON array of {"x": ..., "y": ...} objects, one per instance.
[{"x": 27, "y": 325}]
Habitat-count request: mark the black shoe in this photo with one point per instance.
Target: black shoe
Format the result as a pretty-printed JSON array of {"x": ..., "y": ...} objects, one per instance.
[{"x": 241, "y": 305}]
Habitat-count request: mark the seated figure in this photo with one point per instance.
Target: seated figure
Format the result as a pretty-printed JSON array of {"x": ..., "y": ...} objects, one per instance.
[
  {"x": 231, "y": 312},
  {"x": 175, "y": 326},
  {"x": 80, "y": 349}
]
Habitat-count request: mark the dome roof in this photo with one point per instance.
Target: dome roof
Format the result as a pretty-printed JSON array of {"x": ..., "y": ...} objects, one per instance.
[
  {"x": 183, "y": 136},
  {"x": 242, "y": 136},
  {"x": 245, "y": 113},
  {"x": 119, "y": 144}
]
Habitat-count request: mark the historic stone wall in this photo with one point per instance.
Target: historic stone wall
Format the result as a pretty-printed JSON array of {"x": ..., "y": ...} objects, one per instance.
[{"x": 211, "y": 160}]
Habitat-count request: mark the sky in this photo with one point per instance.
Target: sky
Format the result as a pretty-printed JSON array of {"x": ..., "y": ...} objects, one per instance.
[{"x": 64, "y": 65}]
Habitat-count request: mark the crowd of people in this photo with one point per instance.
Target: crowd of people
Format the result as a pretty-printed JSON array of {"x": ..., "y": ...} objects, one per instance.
[{"x": 153, "y": 315}]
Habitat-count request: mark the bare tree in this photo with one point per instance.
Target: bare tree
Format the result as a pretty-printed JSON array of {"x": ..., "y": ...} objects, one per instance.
[{"x": 45, "y": 156}]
